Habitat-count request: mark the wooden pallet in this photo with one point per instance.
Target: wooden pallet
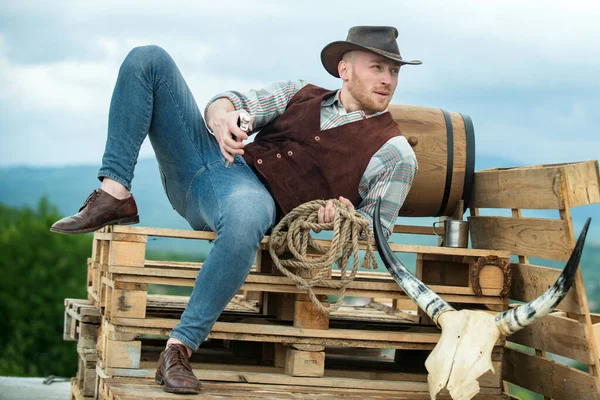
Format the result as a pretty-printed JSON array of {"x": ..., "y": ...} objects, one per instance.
[
  {"x": 278, "y": 315},
  {"x": 571, "y": 332},
  {"x": 341, "y": 372},
  {"x": 346, "y": 354},
  {"x": 290, "y": 327},
  {"x": 79, "y": 316},
  {"x": 119, "y": 275},
  {"x": 82, "y": 323}
]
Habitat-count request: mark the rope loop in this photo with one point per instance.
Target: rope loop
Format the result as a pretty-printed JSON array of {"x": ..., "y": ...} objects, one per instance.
[{"x": 311, "y": 262}]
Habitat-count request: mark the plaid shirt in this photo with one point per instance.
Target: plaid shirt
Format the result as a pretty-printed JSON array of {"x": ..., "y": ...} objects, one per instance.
[{"x": 391, "y": 170}]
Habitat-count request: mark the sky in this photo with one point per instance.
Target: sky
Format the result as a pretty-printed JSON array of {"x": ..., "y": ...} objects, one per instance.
[{"x": 526, "y": 72}]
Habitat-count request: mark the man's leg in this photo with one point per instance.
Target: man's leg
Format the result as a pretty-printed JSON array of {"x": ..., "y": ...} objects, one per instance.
[
  {"x": 240, "y": 210},
  {"x": 150, "y": 98},
  {"x": 233, "y": 203}
]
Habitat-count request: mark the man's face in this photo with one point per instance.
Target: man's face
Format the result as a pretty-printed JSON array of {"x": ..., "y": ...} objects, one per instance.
[{"x": 371, "y": 80}]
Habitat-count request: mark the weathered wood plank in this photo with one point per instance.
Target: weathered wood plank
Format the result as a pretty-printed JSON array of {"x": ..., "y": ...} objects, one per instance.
[
  {"x": 411, "y": 338},
  {"x": 130, "y": 254},
  {"x": 165, "y": 232},
  {"x": 531, "y": 281},
  {"x": 522, "y": 236},
  {"x": 121, "y": 237},
  {"x": 418, "y": 230},
  {"x": 409, "y": 334},
  {"x": 400, "y": 248},
  {"x": 559, "y": 335},
  {"x": 305, "y": 363},
  {"x": 420, "y": 249},
  {"x": 452, "y": 294},
  {"x": 351, "y": 389},
  {"x": 547, "y": 377},
  {"x": 122, "y": 354},
  {"x": 583, "y": 183},
  {"x": 536, "y": 187},
  {"x": 333, "y": 378}
]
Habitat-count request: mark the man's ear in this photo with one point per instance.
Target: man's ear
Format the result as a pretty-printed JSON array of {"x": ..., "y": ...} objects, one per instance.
[{"x": 344, "y": 70}]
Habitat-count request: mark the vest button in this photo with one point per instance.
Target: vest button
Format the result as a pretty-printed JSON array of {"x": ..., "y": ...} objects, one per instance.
[
  {"x": 317, "y": 138},
  {"x": 259, "y": 161},
  {"x": 290, "y": 153},
  {"x": 278, "y": 155}
]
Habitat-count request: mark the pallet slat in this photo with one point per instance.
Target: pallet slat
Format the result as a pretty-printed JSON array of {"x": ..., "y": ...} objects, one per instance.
[
  {"x": 282, "y": 284},
  {"x": 531, "y": 281},
  {"x": 547, "y": 377},
  {"x": 400, "y": 248},
  {"x": 141, "y": 389},
  {"x": 376, "y": 380},
  {"x": 536, "y": 237},
  {"x": 558, "y": 335},
  {"x": 536, "y": 187}
]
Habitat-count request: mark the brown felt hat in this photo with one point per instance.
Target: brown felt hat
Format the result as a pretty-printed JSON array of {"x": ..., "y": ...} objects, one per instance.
[{"x": 377, "y": 39}]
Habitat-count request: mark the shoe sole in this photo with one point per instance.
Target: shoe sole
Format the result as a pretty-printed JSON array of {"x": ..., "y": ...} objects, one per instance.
[
  {"x": 159, "y": 380},
  {"x": 121, "y": 221}
]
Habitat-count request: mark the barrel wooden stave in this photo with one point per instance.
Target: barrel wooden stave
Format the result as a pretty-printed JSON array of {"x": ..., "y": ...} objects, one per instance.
[{"x": 428, "y": 126}]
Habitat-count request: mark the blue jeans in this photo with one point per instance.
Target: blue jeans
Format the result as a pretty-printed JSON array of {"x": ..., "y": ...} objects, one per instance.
[{"x": 152, "y": 98}]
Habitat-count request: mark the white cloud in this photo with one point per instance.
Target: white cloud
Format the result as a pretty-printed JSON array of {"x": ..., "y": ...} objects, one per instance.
[
  {"x": 475, "y": 53},
  {"x": 65, "y": 103}
]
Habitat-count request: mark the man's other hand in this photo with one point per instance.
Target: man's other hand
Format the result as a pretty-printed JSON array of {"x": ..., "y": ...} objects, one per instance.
[
  {"x": 226, "y": 130},
  {"x": 327, "y": 214}
]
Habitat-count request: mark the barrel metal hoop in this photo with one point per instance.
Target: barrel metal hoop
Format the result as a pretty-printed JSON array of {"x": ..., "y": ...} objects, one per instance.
[
  {"x": 449, "y": 163},
  {"x": 470, "y": 167}
]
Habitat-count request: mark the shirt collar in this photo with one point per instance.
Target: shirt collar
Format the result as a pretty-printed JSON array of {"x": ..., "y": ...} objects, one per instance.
[{"x": 334, "y": 99}]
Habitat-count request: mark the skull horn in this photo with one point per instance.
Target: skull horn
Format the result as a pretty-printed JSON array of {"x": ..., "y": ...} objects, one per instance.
[
  {"x": 509, "y": 322},
  {"x": 424, "y": 297}
]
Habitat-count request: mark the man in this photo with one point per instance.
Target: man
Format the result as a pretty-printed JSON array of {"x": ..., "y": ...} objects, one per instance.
[{"x": 313, "y": 144}]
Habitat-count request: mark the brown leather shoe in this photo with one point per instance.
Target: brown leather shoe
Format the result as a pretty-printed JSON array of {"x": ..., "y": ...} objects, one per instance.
[
  {"x": 175, "y": 372},
  {"x": 100, "y": 209}
]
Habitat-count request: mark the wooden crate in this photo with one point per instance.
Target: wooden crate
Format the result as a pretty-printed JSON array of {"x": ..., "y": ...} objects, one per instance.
[{"x": 570, "y": 332}]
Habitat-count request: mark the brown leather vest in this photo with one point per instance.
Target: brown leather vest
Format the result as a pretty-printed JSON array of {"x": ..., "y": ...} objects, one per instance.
[{"x": 299, "y": 162}]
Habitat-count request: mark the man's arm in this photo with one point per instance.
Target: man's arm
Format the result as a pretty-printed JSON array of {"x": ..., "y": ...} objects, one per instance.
[
  {"x": 390, "y": 174},
  {"x": 264, "y": 105}
]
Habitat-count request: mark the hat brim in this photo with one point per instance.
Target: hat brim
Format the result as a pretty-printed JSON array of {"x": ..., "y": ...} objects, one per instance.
[{"x": 333, "y": 52}]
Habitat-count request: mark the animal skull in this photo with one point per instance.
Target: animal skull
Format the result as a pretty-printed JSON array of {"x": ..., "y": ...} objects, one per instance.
[{"x": 464, "y": 350}]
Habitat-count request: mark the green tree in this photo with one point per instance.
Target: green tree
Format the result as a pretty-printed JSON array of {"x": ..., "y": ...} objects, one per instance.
[{"x": 38, "y": 269}]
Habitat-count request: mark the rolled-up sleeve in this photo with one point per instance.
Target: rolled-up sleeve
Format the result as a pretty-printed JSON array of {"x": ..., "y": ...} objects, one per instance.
[
  {"x": 264, "y": 105},
  {"x": 389, "y": 175}
]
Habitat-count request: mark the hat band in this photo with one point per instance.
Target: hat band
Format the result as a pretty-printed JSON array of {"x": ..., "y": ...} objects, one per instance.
[{"x": 383, "y": 52}]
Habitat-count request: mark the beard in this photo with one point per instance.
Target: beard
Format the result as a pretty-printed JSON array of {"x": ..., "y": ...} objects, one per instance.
[{"x": 366, "y": 97}]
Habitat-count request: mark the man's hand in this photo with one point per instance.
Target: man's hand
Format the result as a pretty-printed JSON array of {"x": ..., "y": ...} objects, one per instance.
[
  {"x": 326, "y": 214},
  {"x": 224, "y": 125}
]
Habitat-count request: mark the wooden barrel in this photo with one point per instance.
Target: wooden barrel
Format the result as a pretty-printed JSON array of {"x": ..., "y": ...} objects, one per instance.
[{"x": 444, "y": 143}]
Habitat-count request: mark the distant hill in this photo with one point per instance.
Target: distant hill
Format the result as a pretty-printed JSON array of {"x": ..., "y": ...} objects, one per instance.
[{"x": 68, "y": 187}]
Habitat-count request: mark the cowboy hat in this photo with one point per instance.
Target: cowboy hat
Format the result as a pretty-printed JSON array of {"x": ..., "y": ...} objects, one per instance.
[{"x": 376, "y": 39}]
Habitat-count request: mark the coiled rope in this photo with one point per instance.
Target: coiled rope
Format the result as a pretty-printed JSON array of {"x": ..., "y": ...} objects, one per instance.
[{"x": 292, "y": 235}]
